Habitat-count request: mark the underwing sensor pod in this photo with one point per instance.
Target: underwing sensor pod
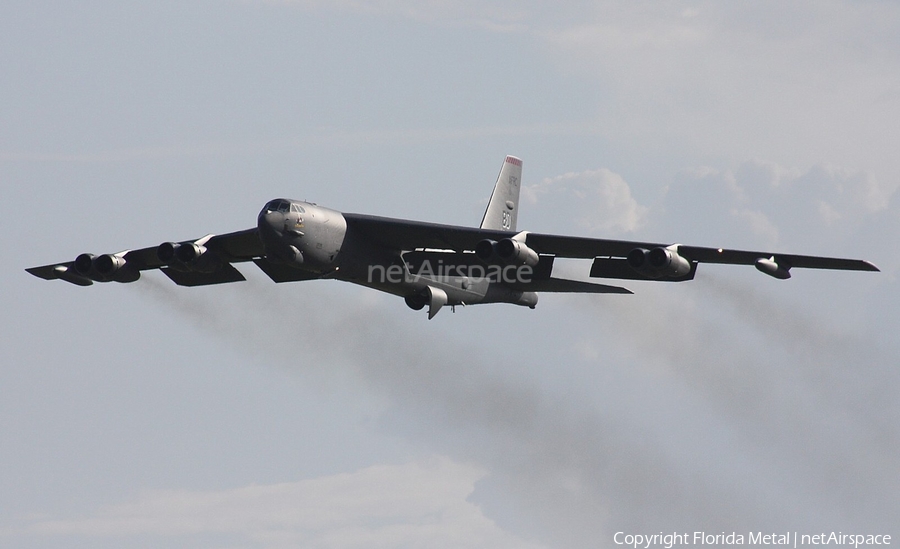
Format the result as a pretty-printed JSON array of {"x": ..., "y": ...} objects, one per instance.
[
  {"x": 772, "y": 268},
  {"x": 659, "y": 262},
  {"x": 430, "y": 265}
]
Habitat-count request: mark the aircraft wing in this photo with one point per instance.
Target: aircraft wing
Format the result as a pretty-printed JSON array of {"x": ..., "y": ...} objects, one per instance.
[
  {"x": 222, "y": 250},
  {"x": 579, "y": 247},
  {"x": 403, "y": 235},
  {"x": 230, "y": 248},
  {"x": 609, "y": 255}
]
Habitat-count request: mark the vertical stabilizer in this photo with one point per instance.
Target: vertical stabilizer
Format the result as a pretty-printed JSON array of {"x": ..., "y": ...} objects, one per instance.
[{"x": 503, "y": 208}]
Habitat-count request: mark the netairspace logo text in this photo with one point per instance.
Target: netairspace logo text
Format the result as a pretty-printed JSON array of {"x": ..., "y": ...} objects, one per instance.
[{"x": 787, "y": 539}]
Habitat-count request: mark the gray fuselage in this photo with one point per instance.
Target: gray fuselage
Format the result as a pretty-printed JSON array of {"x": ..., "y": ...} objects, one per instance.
[{"x": 318, "y": 240}]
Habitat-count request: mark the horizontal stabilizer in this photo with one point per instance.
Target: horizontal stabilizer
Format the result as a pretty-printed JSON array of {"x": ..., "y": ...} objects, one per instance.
[{"x": 561, "y": 285}]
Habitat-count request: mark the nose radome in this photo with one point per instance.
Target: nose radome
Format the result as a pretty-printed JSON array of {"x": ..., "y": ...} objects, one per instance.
[{"x": 272, "y": 220}]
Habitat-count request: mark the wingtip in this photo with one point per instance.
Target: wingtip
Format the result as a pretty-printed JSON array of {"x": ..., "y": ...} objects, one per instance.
[
  {"x": 59, "y": 272},
  {"x": 47, "y": 272}
]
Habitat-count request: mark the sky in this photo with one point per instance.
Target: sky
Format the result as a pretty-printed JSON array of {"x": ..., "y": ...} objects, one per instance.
[{"x": 320, "y": 414}]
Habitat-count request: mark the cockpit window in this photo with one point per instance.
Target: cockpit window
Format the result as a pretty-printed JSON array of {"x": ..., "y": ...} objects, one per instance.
[
  {"x": 297, "y": 208},
  {"x": 282, "y": 206}
]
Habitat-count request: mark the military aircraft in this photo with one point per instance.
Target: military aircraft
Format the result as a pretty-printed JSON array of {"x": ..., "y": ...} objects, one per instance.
[{"x": 425, "y": 263}]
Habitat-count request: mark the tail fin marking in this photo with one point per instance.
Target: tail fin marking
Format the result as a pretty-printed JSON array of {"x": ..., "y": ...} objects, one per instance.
[{"x": 503, "y": 207}]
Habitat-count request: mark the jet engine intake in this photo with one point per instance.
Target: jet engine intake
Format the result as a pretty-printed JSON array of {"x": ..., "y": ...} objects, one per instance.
[
  {"x": 189, "y": 252},
  {"x": 485, "y": 250},
  {"x": 105, "y": 268},
  {"x": 435, "y": 298},
  {"x": 187, "y": 257},
  {"x": 108, "y": 264},
  {"x": 165, "y": 252},
  {"x": 417, "y": 301},
  {"x": 84, "y": 264}
]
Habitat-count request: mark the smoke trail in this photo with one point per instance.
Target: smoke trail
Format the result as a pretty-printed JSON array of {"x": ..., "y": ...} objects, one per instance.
[
  {"x": 575, "y": 474},
  {"x": 562, "y": 462},
  {"x": 832, "y": 445},
  {"x": 823, "y": 356}
]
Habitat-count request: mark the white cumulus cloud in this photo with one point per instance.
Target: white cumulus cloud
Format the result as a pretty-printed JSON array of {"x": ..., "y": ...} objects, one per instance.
[
  {"x": 599, "y": 201},
  {"x": 419, "y": 504}
]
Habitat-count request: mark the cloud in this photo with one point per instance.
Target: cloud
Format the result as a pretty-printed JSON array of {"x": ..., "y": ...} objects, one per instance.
[
  {"x": 848, "y": 194},
  {"x": 613, "y": 32},
  {"x": 764, "y": 204},
  {"x": 596, "y": 201},
  {"x": 419, "y": 504},
  {"x": 496, "y": 16},
  {"x": 790, "y": 416},
  {"x": 317, "y": 138},
  {"x": 791, "y": 82}
]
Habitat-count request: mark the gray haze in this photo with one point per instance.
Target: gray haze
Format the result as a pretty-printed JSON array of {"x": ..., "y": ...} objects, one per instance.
[{"x": 324, "y": 415}]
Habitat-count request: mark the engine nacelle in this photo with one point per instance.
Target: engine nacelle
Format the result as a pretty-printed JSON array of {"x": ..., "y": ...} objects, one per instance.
[
  {"x": 187, "y": 256},
  {"x": 189, "y": 252},
  {"x": 107, "y": 264},
  {"x": 285, "y": 255},
  {"x": 436, "y": 298},
  {"x": 515, "y": 252},
  {"x": 485, "y": 250},
  {"x": 417, "y": 301},
  {"x": 528, "y": 299},
  {"x": 105, "y": 268},
  {"x": 84, "y": 265},
  {"x": 165, "y": 252},
  {"x": 659, "y": 262}
]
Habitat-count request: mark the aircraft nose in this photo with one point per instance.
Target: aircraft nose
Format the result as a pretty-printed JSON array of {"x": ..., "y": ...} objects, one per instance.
[{"x": 273, "y": 221}]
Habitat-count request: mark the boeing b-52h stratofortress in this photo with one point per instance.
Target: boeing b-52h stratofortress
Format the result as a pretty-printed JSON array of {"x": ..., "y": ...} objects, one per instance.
[{"x": 427, "y": 264}]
